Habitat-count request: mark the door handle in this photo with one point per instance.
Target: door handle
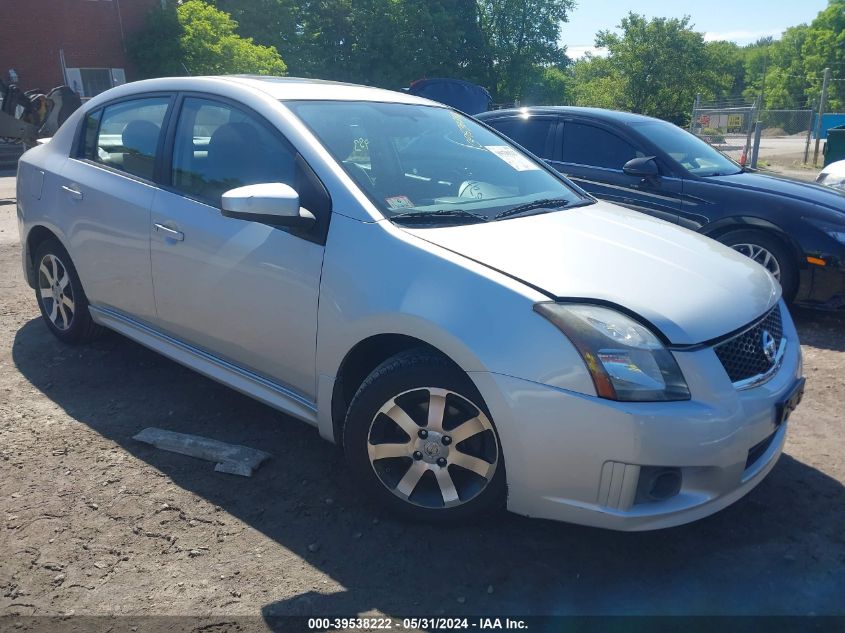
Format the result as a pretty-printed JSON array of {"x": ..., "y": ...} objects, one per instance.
[
  {"x": 74, "y": 194},
  {"x": 173, "y": 234}
]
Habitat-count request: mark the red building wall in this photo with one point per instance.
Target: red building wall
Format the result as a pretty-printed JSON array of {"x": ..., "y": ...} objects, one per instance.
[{"x": 92, "y": 34}]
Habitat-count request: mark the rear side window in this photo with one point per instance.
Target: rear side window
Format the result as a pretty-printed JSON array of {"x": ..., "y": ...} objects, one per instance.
[
  {"x": 534, "y": 133},
  {"x": 129, "y": 134},
  {"x": 596, "y": 147}
]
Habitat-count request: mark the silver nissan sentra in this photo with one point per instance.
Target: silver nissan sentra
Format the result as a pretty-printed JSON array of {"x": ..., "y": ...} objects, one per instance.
[{"x": 473, "y": 329}]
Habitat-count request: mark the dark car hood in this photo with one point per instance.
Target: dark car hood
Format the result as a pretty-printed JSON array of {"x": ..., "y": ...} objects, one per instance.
[{"x": 804, "y": 191}]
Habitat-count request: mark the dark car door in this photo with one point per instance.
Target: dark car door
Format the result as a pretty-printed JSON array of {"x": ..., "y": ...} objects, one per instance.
[
  {"x": 537, "y": 133},
  {"x": 592, "y": 155}
]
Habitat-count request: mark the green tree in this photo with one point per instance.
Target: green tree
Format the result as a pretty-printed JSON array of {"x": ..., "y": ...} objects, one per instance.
[
  {"x": 724, "y": 71},
  {"x": 200, "y": 39},
  {"x": 156, "y": 49},
  {"x": 824, "y": 47},
  {"x": 596, "y": 82},
  {"x": 547, "y": 86},
  {"x": 275, "y": 23},
  {"x": 653, "y": 67},
  {"x": 521, "y": 35}
]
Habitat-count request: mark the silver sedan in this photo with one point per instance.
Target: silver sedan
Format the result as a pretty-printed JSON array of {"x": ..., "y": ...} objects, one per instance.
[{"x": 475, "y": 330}]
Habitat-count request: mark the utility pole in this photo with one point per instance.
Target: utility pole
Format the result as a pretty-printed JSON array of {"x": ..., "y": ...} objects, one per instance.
[
  {"x": 809, "y": 134},
  {"x": 695, "y": 105},
  {"x": 822, "y": 103}
]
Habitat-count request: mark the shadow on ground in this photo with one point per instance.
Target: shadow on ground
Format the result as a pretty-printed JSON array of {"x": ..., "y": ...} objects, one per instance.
[
  {"x": 817, "y": 328},
  {"x": 779, "y": 550}
]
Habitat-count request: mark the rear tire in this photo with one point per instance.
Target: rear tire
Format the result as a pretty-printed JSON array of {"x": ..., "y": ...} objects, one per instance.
[
  {"x": 419, "y": 441},
  {"x": 769, "y": 252},
  {"x": 61, "y": 299}
]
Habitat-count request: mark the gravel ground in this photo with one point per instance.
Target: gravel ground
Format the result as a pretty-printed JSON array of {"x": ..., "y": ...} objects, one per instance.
[{"x": 96, "y": 523}]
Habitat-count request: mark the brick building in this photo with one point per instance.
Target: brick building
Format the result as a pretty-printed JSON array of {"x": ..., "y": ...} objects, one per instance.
[{"x": 81, "y": 43}]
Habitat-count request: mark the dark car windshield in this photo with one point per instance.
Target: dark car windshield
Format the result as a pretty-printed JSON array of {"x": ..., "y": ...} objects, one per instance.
[
  {"x": 693, "y": 154},
  {"x": 414, "y": 159}
]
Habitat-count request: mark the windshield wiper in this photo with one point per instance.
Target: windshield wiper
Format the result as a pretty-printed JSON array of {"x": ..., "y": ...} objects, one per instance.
[
  {"x": 547, "y": 203},
  {"x": 439, "y": 216}
]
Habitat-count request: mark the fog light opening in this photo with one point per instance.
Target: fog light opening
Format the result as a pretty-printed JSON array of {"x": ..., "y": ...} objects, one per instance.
[{"x": 664, "y": 483}]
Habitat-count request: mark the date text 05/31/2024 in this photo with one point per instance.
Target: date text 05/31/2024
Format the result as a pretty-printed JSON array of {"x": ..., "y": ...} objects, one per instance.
[{"x": 441, "y": 623}]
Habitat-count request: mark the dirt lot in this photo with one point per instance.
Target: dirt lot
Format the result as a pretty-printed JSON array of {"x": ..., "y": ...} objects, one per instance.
[{"x": 94, "y": 522}]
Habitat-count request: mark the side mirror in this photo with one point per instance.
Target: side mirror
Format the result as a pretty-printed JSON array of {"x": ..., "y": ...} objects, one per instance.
[
  {"x": 271, "y": 203},
  {"x": 642, "y": 167}
]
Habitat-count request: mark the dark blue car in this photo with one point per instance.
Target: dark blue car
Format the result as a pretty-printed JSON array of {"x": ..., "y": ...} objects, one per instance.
[{"x": 796, "y": 230}]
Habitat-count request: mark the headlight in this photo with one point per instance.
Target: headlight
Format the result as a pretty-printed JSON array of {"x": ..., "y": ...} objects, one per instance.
[{"x": 626, "y": 360}]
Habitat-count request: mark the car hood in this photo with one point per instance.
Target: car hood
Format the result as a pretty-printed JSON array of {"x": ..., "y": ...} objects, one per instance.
[
  {"x": 806, "y": 191},
  {"x": 690, "y": 287}
]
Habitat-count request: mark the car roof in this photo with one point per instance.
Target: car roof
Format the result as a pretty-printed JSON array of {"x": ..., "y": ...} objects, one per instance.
[
  {"x": 611, "y": 116},
  {"x": 281, "y": 88}
]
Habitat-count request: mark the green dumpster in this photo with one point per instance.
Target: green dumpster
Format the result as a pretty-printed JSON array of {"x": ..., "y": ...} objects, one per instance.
[{"x": 834, "y": 148}]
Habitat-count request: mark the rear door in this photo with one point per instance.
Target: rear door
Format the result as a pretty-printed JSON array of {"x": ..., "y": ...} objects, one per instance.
[
  {"x": 537, "y": 134},
  {"x": 592, "y": 155},
  {"x": 106, "y": 193},
  {"x": 245, "y": 292}
]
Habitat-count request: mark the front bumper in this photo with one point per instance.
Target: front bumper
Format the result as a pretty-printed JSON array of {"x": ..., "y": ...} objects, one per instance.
[{"x": 582, "y": 459}]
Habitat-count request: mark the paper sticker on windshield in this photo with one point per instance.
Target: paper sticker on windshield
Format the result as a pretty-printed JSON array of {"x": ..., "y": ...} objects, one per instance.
[
  {"x": 512, "y": 157},
  {"x": 399, "y": 202}
]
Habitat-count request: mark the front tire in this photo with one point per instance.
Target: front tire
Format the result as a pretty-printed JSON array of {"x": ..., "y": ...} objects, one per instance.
[
  {"x": 769, "y": 252},
  {"x": 61, "y": 299},
  {"x": 419, "y": 440}
]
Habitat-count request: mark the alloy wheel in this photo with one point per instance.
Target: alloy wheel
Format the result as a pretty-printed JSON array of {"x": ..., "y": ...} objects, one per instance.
[
  {"x": 433, "y": 448},
  {"x": 761, "y": 256},
  {"x": 56, "y": 291}
]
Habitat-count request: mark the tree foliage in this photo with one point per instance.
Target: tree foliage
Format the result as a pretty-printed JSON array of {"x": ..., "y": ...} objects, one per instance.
[
  {"x": 512, "y": 47},
  {"x": 652, "y": 67},
  {"x": 199, "y": 39}
]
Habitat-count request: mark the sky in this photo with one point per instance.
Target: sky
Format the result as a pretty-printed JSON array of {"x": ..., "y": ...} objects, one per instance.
[{"x": 740, "y": 21}]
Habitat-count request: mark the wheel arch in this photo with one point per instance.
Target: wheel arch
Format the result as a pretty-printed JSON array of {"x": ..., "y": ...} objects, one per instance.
[
  {"x": 36, "y": 236},
  {"x": 360, "y": 361},
  {"x": 751, "y": 223}
]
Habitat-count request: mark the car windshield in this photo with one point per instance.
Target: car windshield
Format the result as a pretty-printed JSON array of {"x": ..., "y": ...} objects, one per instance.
[
  {"x": 693, "y": 154},
  {"x": 432, "y": 163}
]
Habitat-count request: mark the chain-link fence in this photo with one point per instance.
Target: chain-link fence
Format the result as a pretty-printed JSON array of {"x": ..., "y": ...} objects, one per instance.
[{"x": 785, "y": 134}]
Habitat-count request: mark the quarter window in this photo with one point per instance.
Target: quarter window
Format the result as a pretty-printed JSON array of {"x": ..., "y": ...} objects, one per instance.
[
  {"x": 128, "y": 136},
  {"x": 219, "y": 147},
  {"x": 596, "y": 147}
]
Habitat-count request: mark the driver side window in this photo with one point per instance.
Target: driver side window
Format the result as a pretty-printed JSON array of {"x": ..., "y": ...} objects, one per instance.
[{"x": 219, "y": 147}]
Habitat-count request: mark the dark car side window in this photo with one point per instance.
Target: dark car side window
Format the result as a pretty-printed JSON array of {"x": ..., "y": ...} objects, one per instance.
[
  {"x": 590, "y": 145},
  {"x": 532, "y": 133}
]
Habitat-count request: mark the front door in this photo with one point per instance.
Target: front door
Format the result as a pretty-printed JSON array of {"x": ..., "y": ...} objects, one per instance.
[
  {"x": 242, "y": 291},
  {"x": 593, "y": 156}
]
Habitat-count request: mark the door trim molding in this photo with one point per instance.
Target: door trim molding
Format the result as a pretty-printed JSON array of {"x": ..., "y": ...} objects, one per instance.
[{"x": 237, "y": 378}]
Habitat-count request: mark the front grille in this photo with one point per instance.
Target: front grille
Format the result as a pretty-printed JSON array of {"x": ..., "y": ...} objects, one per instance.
[{"x": 743, "y": 356}]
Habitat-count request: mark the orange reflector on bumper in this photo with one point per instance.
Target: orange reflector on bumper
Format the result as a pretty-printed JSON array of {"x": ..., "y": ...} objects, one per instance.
[{"x": 818, "y": 261}]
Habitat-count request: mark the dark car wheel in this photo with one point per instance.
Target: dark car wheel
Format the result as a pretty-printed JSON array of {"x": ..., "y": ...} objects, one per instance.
[
  {"x": 419, "y": 440},
  {"x": 62, "y": 301},
  {"x": 770, "y": 253}
]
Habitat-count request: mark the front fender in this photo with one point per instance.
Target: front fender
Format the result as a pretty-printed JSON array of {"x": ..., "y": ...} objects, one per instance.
[
  {"x": 379, "y": 279},
  {"x": 740, "y": 222}
]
